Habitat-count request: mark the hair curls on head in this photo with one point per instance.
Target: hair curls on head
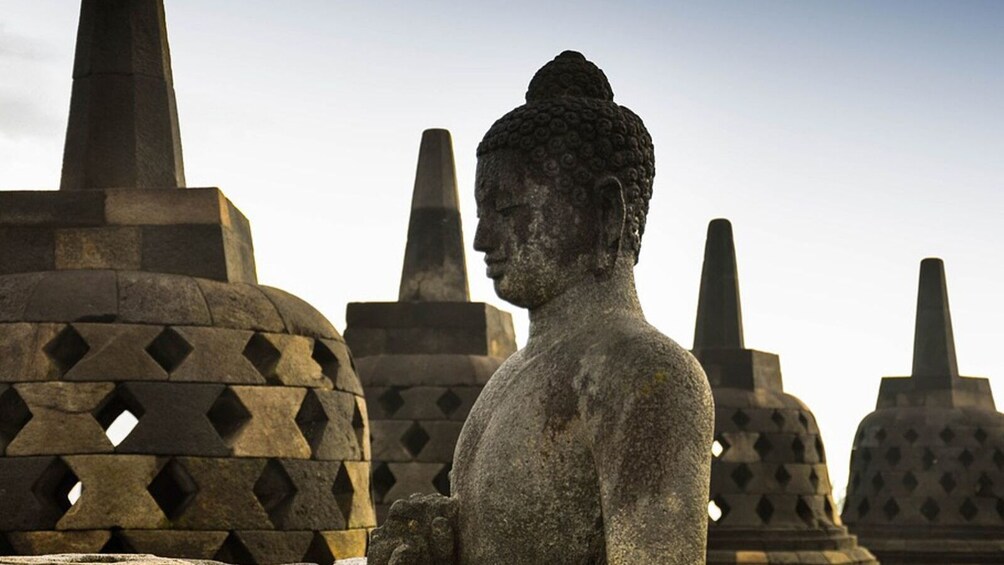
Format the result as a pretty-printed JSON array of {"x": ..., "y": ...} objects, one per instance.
[{"x": 571, "y": 133}]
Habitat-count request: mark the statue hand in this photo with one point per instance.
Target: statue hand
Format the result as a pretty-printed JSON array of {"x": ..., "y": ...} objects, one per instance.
[{"x": 417, "y": 531}]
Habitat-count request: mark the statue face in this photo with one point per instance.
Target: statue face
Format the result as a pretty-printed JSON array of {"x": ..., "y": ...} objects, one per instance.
[{"x": 536, "y": 243}]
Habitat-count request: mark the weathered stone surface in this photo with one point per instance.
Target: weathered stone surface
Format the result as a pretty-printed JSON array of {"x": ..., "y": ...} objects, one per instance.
[
  {"x": 62, "y": 419},
  {"x": 217, "y": 356},
  {"x": 95, "y": 559},
  {"x": 326, "y": 421},
  {"x": 74, "y": 296},
  {"x": 927, "y": 464},
  {"x": 166, "y": 207},
  {"x": 276, "y": 547},
  {"x": 42, "y": 543},
  {"x": 300, "y": 318},
  {"x": 116, "y": 352},
  {"x": 99, "y": 248},
  {"x": 272, "y": 429},
  {"x": 591, "y": 444},
  {"x": 15, "y": 292},
  {"x": 240, "y": 306},
  {"x": 34, "y": 493},
  {"x": 173, "y": 420},
  {"x": 114, "y": 493},
  {"x": 161, "y": 299},
  {"x": 27, "y": 249},
  {"x": 22, "y": 352},
  {"x": 225, "y": 495},
  {"x": 195, "y": 545},
  {"x": 770, "y": 491},
  {"x": 330, "y": 352},
  {"x": 52, "y": 209}
]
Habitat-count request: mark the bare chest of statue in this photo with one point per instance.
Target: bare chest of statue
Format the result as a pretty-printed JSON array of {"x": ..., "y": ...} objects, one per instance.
[{"x": 523, "y": 453}]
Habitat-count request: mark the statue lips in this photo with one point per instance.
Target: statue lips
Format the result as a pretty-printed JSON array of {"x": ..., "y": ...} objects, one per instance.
[{"x": 495, "y": 267}]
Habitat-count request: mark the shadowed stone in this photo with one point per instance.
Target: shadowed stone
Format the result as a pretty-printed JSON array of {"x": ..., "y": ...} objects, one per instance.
[
  {"x": 719, "y": 312},
  {"x": 123, "y": 130},
  {"x": 434, "y": 266},
  {"x": 114, "y": 493},
  {"x": 934, "y": 362}
]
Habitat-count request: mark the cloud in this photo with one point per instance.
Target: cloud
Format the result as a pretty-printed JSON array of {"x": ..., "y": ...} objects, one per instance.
[
  {"x": 24, "y": 117},
  {"x": 19, "y": 47}
]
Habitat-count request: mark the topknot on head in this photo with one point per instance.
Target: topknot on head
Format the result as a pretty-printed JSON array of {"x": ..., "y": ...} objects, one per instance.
[{"x": 569, "y": 74}]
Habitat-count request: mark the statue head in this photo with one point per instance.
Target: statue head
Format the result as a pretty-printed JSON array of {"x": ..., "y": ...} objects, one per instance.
[{"x": 563, "y": 185}]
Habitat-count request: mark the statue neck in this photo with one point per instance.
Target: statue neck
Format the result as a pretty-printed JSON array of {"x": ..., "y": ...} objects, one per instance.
[{"x": 587, "y": 303}]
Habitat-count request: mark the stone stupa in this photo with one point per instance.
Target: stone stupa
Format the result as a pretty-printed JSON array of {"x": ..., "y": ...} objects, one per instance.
[
  {"x": 927, "y": 467},
  {"x": 424, "y": 359},
  {"x": 770, "y": 490},
  {"x": 125, "y": 294}
]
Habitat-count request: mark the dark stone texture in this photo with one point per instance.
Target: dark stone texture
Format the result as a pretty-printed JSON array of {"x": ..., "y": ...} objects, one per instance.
[
  {"x": 173, "y": 421},
  {"x": 770, "y": 495},
  {"x": 52, "y": 209},
  {"x": 300, "y": 318},
  {"x": 242, "y": 306},
  {"x": 74, "y": 296},
  {"x": 927, "y": 466},
  {"x": 165, "y": 299},
  {"x": 27, "y": 249},
  {"x": 590, "y": 445}
]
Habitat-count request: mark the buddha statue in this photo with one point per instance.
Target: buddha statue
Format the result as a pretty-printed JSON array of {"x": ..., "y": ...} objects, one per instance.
[{"x": 591, "y": 444}]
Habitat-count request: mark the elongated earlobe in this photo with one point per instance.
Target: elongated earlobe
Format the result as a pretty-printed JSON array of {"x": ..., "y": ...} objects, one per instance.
[{"x": 611, "y": 215}]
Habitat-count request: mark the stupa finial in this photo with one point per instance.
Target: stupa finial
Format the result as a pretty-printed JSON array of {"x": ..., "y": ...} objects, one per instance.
[
  {"x": 123, "y": 128},
  {"x": 719, "y": 311},
  {"x": 934, "y": 359},
  {"x": 435, "y": 269}
]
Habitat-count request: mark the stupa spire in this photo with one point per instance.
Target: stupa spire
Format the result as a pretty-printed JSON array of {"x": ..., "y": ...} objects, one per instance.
[
  {"x": 435, "y": 269},
  {"x": 934, "y": 361},
  {"x": 123, "y": 128},
  {"x": 719, "y": 311}
]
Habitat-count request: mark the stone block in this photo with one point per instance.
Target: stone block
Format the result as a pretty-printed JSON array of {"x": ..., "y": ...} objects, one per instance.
[
  {"x": 62, "y": 419},
  {"x": 114, "y": 493},
  {"x": 425, "y": 370},
  {"x": 387, "y": 440},
  {"x": 312, "y": 503},
  {"x": 74, "y": 296},
  {"x": 274, "y": 547},
  {"x": 293, "y": 366},
  {"x": 98, "y": 248},
  {"x": 360, "y": 514},
  {"x": 188, "y": 544},
  {"x": 15, "y": 290},
  {"x": 188, "y": 249},
  {"x": 241, "y": 306},
  {"x": 173, "y": 420},
  {"x": 408, "y": 479},
  {"x": 166, "y": 207},
  {"x": 49, "y": 543},
  {"x": 326, "y": 420},
  {"x": 340, "y": 545},
  {"x": 154, "y": 298},
  {"x": 117, "y": 352},
  {"x": 52, "y": 208},
  {"x": 22, "y": 352},
  {"x": 225, "y": 494},
  {"x": 272, "y": 429},
  {"x": 337, "y": 364},
  {"x": 299, "y": 317},
  {"x": 33, "y": 496},
  {"x": 26, "y": 249},
  {"x": 217, "y": 356},
  {"x": 441, "y": 443}
]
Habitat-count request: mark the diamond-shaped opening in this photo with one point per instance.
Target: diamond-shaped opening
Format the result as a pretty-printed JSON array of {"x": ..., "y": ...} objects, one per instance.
[
  {"x": 777, "y": 418},
  {"x": 814, "y": 479},
  {"x": 117, "y": 544},
  {"x": 169, "y": 349},
  {"x": 742, "y": 475},
  {"x": 762, "y": 446},
  {"x": 319, "y": 551},
  {"x": 740, "y": 419},
  {"x": 947, "y": 482},
  {"x": 805, "y": 512},
  {"x": 717, "y": 448},
  {"x": 909, "y": 481},
  {"x": 798, "y": 448},
  {"x": 968, "y": 510},
  {"x": 878, "y": 482},
  {"x": 803, "y": 420},
  {"x": 980, "y": 435},
  {"x": 890, "y": 509},
  {"x": 716, "y": 511},
  {"x": 5, "y": 547},
  {"x": 442, "y": 480},
  {"x": 275, "y": 491},
  {"x": 173, "y": 489},
  {"x": 57, "y": 487},
  {"x": 344, "y": 492},
  {"x": 383, "y": 481},
  {"x": 14, "y": 414},
  {"x": 415, "y": 439},
  {"x": 999, "y": 459},
  {"x": 764, "y": 509},
  {"x": 782, "y": 475},
  {"x": 985, "y": 486},
  {"x": 966, "y": 458},
  {"x": 66, "y": 349},
  {"x": 449, "y": 402},
  {"x": 328, "y": 361},
  {"x": 855, "y": 481},
  {"x": 312, "y": 419},
  {"x": 228, "y": 416},
  {"x": 118, "y": 414},
  {"x": 820, "y": 452},
  {"x": 928, "y": 459},
  {"x": 391, "y": 401},
  {"x": 264, "y": 356},
  {"x": 880, "y": 435},
  {"x": 911, "y": 435},
  {"x": 828, "y": 508},
  {"x": 863, "y": 508},
  {"x": 893, "y": 455},
  {"x": 359, "y": 424},
  {"x": 947, "y": 435},
  {"x": 930, "y": 509},
  {"x": 234, "y": 551}
]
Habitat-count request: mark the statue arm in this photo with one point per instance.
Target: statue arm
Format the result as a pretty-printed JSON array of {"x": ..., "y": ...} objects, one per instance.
[{"x": 652, "y": 437}]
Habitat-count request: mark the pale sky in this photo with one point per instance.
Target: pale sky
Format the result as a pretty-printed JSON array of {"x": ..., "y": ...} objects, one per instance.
[{"x": 845, "y": 140}]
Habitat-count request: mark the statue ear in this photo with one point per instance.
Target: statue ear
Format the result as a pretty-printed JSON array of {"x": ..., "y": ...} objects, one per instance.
[{"x": 612, "y": 217}]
